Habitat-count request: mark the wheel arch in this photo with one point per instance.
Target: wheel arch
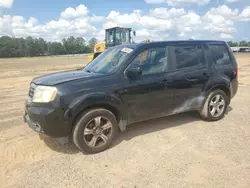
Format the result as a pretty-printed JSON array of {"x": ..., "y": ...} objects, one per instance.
[
  {"x": 204, "y": 112},
  {"x": 224, "y": 87},
  {"x": 117, "y": 113},
  {"x": 93, "y": 101}
]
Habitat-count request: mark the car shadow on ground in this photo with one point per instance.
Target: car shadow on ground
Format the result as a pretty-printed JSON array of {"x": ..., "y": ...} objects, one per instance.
[
  {"x": 137, "y": 129},
  {"x": 61, "y": 145},
  {"x": 154, "y": 125}
]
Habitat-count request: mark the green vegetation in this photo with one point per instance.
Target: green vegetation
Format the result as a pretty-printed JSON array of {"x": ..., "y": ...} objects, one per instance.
[
  {"x": 241, "y": 43},
  {"x": 30, "y": 47}
]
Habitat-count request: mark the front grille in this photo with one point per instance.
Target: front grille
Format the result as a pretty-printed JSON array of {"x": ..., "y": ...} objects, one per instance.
[{"x": 31, "y": 90}]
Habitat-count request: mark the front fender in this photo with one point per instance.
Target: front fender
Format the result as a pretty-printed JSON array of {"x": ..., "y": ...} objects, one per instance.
[{"x": 99, "y": 99}]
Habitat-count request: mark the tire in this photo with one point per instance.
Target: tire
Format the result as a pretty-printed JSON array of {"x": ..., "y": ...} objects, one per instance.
[
  {"x": 86, "y": 131},
  {"x": 207, "y": 110}
]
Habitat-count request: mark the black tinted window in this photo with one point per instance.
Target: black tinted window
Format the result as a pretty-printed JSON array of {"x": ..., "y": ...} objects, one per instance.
[
  {"x": 189, "y": 56},
  {"x": 220, "y": 54},
  {"x": 151, "y": 61}
]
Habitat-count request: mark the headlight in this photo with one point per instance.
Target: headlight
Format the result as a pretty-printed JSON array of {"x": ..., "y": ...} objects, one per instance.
[{"x": 44, "y": 94}]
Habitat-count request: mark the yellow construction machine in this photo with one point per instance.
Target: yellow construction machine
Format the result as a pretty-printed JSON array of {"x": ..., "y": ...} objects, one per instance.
[{"x": 113, "y": 37}]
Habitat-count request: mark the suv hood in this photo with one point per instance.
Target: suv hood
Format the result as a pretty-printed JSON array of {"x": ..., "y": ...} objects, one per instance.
[{"x": 61, "y": 77}]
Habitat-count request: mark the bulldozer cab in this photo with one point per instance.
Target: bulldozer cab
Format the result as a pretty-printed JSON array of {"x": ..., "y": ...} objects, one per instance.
[{"x": 118, "y": 35}]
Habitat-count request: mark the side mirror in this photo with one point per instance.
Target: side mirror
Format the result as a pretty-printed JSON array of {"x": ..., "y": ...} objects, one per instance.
[
  {"x": 133, "y": 72},
  {"x": 134, "y": 32}
]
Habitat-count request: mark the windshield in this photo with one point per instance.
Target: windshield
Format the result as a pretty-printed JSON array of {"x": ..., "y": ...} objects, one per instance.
[{"x": 109, "y": 61}]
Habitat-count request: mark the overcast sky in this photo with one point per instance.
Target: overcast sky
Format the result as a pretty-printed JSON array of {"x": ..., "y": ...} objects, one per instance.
[{"x": 152, "y": 19}]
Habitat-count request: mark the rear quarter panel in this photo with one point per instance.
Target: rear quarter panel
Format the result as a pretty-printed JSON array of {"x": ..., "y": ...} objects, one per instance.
[{"x": 221, "y": 75}]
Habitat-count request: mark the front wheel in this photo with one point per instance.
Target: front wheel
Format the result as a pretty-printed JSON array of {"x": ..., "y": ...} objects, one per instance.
[
  {"x": 215, "y": 106},
  {"x": 95, "y": 130}
]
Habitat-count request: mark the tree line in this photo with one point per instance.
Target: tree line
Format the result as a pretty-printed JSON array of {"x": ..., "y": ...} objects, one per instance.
[
  {"x": 241, "y": 43},
  {"x": 30, "y": 47}
]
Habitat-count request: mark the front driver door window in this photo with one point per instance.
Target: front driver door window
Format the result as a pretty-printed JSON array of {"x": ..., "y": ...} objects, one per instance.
[{"x": 152, "y": 61}]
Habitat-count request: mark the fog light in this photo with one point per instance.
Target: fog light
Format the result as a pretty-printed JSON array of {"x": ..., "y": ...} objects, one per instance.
[{"x": 38, "y": 127}]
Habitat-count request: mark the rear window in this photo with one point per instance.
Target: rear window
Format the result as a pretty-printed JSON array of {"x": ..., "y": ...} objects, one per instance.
[{"x": 220, "y": 55}]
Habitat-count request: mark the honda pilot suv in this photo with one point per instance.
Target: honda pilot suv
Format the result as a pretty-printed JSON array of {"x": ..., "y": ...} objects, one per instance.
[{"x": 132, "y": 83}]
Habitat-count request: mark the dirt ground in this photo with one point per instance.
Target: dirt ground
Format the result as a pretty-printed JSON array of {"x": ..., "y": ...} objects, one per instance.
[{"x": 176, "y": 151}]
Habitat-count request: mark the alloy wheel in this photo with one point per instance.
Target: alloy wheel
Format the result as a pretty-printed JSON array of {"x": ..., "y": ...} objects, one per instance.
[
  {"x": 97, "y": 132},
  {"x": 217, "y": 105}
]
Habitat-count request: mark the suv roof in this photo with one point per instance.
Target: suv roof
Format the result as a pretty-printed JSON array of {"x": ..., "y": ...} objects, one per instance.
[
  {"x": 185, "y": 41},
  {"x": 174, "y": 42}
]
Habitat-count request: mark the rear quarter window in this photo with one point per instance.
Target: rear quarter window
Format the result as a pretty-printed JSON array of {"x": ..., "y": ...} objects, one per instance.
[{"x": 220, "y": 55}]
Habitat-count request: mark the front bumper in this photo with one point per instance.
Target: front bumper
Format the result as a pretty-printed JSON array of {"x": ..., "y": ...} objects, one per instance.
[
  {"x": 35, "y": 126},
  {"x": 233, "y": 88},
  {"x": 46, "y": 120}
]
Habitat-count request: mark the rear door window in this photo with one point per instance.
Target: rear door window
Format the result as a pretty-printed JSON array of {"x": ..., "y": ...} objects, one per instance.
[
  {"x": 220, "y": 55},
  {"x": 188, "y": 56}
]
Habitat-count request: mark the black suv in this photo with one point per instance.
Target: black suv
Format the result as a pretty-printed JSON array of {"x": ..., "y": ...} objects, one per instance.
[{"x": 131, "y": 83}]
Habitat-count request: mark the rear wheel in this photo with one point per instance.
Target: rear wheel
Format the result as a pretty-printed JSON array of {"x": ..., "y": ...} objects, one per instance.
[
  {"x": 215, "y": 106},
  {"x": 95, "y": 130}
]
